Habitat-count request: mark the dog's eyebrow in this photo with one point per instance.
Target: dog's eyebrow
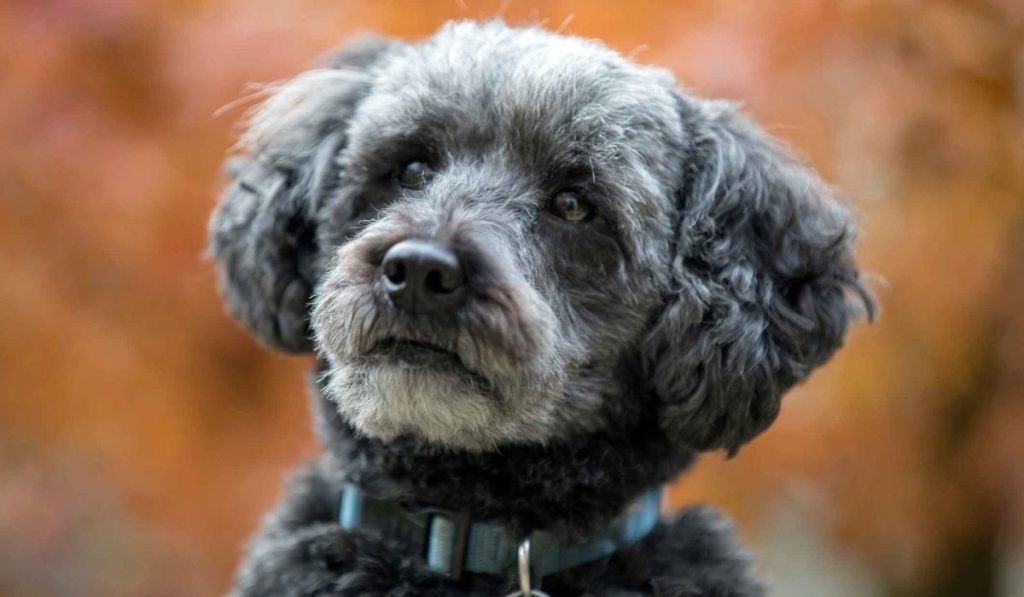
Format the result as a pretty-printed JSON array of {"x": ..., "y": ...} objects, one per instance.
[{"x": 613, "y": 215}]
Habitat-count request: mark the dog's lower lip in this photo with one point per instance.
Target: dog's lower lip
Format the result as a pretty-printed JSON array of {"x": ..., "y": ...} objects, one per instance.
[
  {"x": 420, "y": 355},
  {"x": 402, "y": 343},
  {"x": 427, "y": 358},
  {"x": 415, "y": 353}
]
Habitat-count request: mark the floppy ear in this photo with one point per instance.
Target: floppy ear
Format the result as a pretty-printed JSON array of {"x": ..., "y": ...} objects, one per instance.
[
  {"x": 263, "y": 233},
  {"x": 764, "y": 282}
]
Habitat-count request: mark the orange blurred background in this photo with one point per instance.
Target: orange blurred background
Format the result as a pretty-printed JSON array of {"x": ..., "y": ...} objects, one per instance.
[{"x": 143, "y": 433}]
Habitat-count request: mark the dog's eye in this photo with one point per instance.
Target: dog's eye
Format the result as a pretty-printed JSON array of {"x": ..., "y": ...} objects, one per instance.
[
  {"x": 414, "y": 175},
  {"x": 570, "y": 207}
]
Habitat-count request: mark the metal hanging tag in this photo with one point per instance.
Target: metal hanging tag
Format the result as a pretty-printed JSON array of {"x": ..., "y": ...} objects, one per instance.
[{"x": 525, "y": 590}]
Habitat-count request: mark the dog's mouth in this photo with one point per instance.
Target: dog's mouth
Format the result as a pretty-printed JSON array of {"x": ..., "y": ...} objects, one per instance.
[
  {"x": 417, "y": 353},
  {"x": 427, "y": 356}
]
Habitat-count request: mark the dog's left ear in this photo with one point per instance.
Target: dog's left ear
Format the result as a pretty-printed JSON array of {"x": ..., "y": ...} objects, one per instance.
[
  {"x": 764, "y": 282},
  {"x": 263, "y": 235}
]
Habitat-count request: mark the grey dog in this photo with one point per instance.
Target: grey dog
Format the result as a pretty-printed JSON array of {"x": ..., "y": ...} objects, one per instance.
[{"x": 539, "y": 279}]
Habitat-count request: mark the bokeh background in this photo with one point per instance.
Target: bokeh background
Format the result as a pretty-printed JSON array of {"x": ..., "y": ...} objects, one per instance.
[{"x": 143, "y": 433}]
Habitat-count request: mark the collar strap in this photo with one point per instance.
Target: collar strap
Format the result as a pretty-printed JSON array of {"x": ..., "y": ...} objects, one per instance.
[{"x": 452, "y": 544}]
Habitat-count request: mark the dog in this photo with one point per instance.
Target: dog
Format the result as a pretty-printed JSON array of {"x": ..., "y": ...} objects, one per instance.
[{"x": 539, "y": 280}]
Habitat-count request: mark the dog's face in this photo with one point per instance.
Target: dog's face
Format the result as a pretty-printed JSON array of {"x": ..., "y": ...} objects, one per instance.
[
  {"x": 481, "y": 232},
  {"x": 532, "y": 166}
]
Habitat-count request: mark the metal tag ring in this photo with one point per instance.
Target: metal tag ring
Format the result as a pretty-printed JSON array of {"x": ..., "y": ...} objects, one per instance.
[{"x": 525, "y": 589}]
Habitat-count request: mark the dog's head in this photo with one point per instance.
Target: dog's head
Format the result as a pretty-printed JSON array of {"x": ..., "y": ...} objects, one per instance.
[{"x": 491, "y": 235}]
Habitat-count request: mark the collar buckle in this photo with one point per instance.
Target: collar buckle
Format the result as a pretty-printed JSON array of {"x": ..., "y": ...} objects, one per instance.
[{"x": 448, "y": 535}]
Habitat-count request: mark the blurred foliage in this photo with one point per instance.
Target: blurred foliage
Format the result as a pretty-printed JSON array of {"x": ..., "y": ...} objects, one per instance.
[{"x": 142, "y": 433}]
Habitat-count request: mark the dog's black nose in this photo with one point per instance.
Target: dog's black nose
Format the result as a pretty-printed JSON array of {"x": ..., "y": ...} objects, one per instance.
[{"x": 421, "y": 276}]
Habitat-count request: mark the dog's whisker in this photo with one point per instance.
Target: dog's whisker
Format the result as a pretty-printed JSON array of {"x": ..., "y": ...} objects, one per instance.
[
  {"x": 368, "y": 331},
  {"x": 259, "y": 92},
  {"x": 565, "y": 23},
  {"x": 632, "y": 54}
]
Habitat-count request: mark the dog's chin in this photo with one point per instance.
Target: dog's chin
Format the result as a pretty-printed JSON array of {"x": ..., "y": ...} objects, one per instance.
[{"x": 424, "y": 391}]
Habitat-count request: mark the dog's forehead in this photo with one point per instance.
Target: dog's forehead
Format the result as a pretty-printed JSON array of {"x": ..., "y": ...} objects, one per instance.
[{"x": 528, "y": 87}]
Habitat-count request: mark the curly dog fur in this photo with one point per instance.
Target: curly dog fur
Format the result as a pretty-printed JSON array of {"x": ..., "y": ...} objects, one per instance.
[{"x": 705, "y": 272}]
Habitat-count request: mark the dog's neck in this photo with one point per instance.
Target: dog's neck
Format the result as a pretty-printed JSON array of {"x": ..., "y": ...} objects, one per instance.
[{"x": 572, "y": 488}]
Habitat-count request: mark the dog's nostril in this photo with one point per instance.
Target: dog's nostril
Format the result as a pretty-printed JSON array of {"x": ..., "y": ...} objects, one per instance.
[
  {"x": 395, "y": 271},
  {"x": 442, "y": 281}
]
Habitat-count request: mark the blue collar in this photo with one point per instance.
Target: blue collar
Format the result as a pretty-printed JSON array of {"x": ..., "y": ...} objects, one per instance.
[{"x": 452, "y": 544}]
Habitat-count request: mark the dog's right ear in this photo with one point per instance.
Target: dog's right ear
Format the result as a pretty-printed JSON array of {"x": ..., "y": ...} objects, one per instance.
[
  {"x": 765, "y": 283},
  {"x": 263, "y": 233}
]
